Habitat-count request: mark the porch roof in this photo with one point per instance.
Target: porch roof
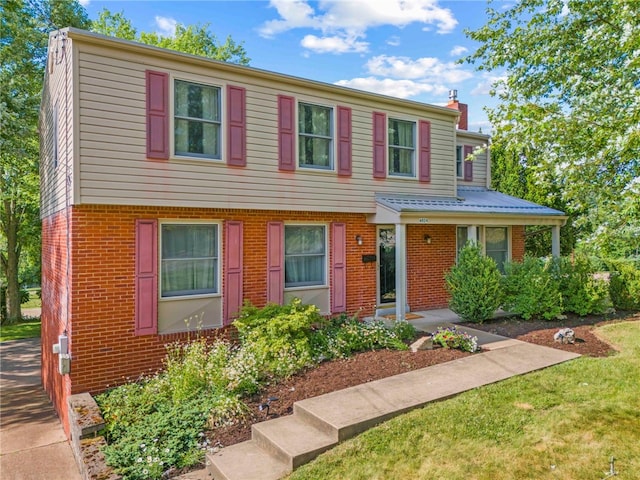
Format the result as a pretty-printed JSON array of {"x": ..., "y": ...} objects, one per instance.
[{"x": 472, "y": 205}]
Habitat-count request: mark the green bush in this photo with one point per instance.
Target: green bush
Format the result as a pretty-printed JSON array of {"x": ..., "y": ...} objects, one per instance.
[
  {"x": 531, "y": 289},
  {"x": 582, "y": 292},
  {"x": 624, "y": 285},
  {"x": 474, "y": 285},
  {"x": 280, "y": 335}
]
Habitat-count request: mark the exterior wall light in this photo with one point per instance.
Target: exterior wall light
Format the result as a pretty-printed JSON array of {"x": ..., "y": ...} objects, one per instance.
[
  {"x": 427, "y": 239},
  {"x": 359, "y": 239}
]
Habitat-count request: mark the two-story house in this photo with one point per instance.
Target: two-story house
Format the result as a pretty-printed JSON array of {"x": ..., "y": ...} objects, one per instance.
[{"x": 174, "y": 188}]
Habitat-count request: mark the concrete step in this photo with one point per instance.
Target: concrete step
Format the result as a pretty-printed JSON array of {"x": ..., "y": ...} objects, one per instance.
[
  {"x": 245, "y": 461},
  {"x": 293, "y": 440}
]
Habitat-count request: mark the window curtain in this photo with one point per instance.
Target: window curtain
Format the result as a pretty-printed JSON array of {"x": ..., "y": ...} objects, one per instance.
[
  {"x": 314, "y": 125},
  {"x": 497, "y": 245},
  {"x": 401, "y": 134},
  {"x": 189, "y": 259},
  {"x": 304, "y": 252},
  {"x": 197, "y": 125}
]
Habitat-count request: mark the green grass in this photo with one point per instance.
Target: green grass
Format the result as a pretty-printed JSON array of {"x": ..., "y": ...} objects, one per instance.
[
  {"x": 17, "y": 331},
  {"x": 34, "y": 299},
  {"x": 563, "y": 422}
]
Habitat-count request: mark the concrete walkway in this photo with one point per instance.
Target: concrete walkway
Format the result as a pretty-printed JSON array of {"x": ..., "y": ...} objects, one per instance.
[
  {"x": 279, "y": 446},
  {"x": 32, "y": 442}
]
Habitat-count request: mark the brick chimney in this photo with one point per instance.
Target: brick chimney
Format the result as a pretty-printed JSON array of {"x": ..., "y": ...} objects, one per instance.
[{"x": 461, "y": 107}]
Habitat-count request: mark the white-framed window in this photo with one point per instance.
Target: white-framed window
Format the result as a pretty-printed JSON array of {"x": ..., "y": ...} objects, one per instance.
[
  {"x": 462, "y": 236},
  {"x": 197, "y": 119},
  {"x": 459, "y": 162},
  {"x": 496, "y": 245},
  {"x": 315, "y": 136},
  {"x": 402, "y": 147},
  {"x": 189, "y": 263},
  {"x": 305, "y": 255}
]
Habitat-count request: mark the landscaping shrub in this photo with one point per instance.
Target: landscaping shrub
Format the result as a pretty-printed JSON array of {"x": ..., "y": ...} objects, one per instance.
[
  {"x": 474, "y": 285},
  {"x": 531, "y": 289},
  {"x": 624, "y": 285},
  {"x": 453, "y": 338},
  {"x": 280, "y": 335},
  {"x": 582, "y": 292}
]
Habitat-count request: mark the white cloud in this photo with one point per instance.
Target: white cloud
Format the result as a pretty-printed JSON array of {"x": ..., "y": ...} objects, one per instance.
[
  {"x": 166, "y": 26},
  {"x": 335, "y": 44},
  {"x": 487, "y": 83},
  {"x": 351, "y": 19},
  {"x": 84, "y": 3},
  {"x": 458, "y": 50},
  {"x": 394, "y": 88},
  {"x": 394, "y": 41},
  {"x": 429, "y": 69}
]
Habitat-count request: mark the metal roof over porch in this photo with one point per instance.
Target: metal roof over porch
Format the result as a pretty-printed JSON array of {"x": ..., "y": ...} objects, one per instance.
[{"x": 473, "y": 205}]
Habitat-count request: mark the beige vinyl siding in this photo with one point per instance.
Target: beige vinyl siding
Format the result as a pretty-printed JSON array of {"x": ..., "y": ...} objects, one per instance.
[
  {"x": 480, "y": 160},
  {"x": 57, "y": 92},
  {"x": 114, "y": 169}
]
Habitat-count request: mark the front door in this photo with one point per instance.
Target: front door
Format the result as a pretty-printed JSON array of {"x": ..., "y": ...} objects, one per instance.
[{"x": 387, "y": 265}]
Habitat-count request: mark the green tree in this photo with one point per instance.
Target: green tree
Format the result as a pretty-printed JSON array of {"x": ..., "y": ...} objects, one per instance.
[
  {"x": 511, "y": 174},
  {"x": 193, "y": 39},
  {"x": 24, "y": 27},
  {"x": 569, "y": 103}
]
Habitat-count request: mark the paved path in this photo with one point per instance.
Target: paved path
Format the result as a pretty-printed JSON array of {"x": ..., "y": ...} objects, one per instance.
[{"x": 33, "y": 445}]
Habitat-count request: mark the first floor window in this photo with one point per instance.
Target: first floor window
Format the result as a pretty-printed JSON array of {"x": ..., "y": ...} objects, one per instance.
[
  {"x": 462, "y": 238},
  {"x": 401, "y": 147},
  {"x": 189, "y": 263},
  {"x": 497, "y": 245},
  {"x": 304, "y": 255},
  {"x": 314, "y": 136},
  {"x": 197, "y": 120}
]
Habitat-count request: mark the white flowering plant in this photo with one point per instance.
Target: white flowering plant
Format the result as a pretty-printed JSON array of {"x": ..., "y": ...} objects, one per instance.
[{"x": 451, "y": 337}]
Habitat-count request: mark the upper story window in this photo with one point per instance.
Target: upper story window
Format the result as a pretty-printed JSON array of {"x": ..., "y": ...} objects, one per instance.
[
  {"x": 459, "y": 162},
  {"x": 197, "y": 120},
  {"x": 315, "y": 136},
  {"x": 402, "y": 141},
  {"x": 189, "y": 261},
  {"x": 304, "y": 255}
]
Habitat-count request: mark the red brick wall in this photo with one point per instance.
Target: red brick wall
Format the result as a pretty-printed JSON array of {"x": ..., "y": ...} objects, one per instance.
[
  {"x": 105, "y": 351},
  {"x": 428, "y": 263},
  {"x": 517, "y": 242}
]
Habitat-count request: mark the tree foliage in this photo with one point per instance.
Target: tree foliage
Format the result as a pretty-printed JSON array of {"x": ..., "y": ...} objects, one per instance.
[
  {"x": 569, "y": 104},
  {"x": 23, "y": 48},
  {"x": 193, "y": 39}
]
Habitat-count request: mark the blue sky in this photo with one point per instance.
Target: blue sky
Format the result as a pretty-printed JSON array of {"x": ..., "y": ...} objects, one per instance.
[{"x": 403, "y": 48}]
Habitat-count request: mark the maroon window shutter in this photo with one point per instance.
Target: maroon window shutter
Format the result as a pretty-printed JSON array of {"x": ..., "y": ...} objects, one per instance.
[
  {"x": 146, "y": 277},
  {"x": 286, "y": 133},
  {"x": 232, "y": 270},
  {"x": 344, "y": 141},
  {"x": 275, "y": 262},
  {"x": 379, "y": 145},
  {"x": 468, "y": 164},
  {"x": 236, "y": 130},
  {"x": 157, "y": 115},
  {"x": 339, "y": 267},
  {"x": 425, "y": 151}
]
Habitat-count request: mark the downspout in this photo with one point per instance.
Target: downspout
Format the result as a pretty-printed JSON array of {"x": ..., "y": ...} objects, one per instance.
[{"x": 401, "y": 271}]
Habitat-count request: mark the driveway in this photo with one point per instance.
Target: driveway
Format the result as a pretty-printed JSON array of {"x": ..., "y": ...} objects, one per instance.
[{"x": 33, "y": 445}]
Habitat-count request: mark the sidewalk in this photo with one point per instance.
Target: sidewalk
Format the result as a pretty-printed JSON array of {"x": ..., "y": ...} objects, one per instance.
[{"x": 32, "y": 442}]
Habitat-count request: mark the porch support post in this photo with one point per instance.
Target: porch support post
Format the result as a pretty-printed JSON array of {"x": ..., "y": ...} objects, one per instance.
[
  {"x": 555, "y": 241},
  {"x": 401, "y": 271}
]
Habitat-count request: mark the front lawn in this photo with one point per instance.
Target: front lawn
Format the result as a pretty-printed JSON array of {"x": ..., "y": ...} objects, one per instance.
[
  {"x": 26, "y": 329},
  {"x": 565, "y": 422}
]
